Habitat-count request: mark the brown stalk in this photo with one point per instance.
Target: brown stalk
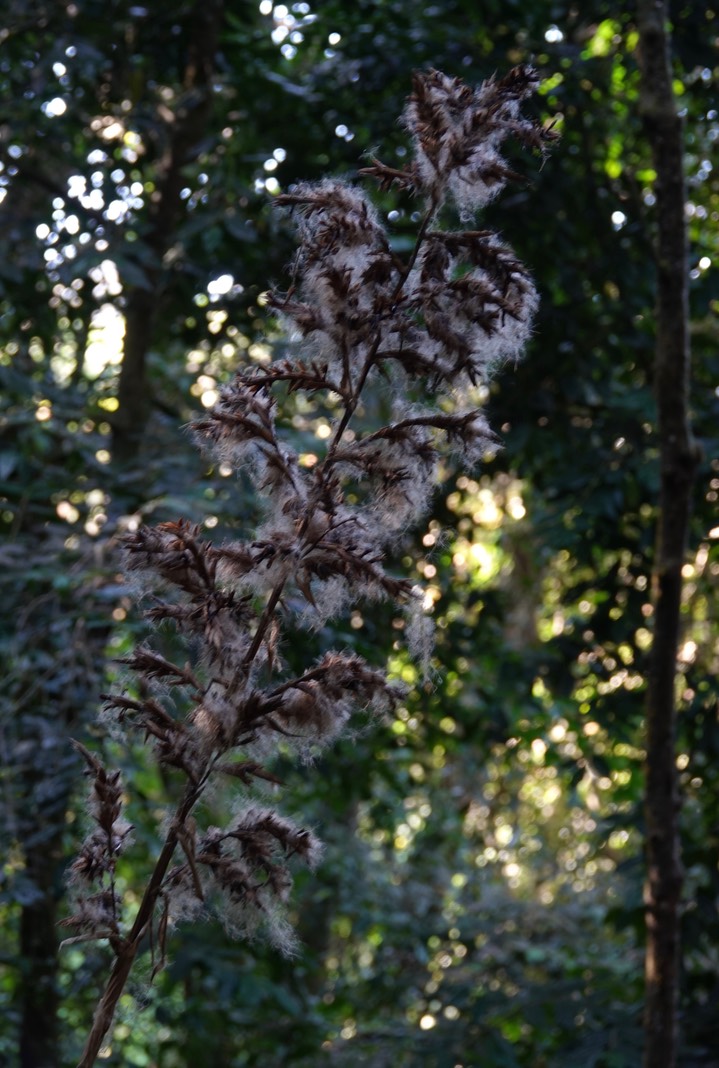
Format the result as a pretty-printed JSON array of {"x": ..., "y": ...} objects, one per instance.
[
  {"x": 372, "y": 354},
  {"x": 128, "y": 950}
]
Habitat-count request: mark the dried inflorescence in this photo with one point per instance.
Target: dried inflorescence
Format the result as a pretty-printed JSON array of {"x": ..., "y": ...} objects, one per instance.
[
  {"x": 457, "y": 132},
  {"x": 92, "y": 874},
  {"x": 430, "y": 328},
  {"x": 246, "y": 864}
]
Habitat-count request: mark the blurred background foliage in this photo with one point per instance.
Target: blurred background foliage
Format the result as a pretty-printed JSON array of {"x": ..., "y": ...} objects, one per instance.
[{"x": 480, "y": 900}]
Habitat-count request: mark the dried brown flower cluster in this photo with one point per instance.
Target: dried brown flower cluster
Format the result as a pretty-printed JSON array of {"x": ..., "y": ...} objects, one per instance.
[
  {"x": 429, "y": 329},
  {"x": 93, "y": 871}
]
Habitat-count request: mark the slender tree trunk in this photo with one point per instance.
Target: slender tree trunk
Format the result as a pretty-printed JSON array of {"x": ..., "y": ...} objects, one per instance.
[
  {"x": 38, "y": 954},
  {"x": 187, "y": 127},
  {"x": 43, "y": 706},
  {"x": 678, "y": 459}
]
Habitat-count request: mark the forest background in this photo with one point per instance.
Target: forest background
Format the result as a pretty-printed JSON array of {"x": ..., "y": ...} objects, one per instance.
[{"x": 481, "y": 896}]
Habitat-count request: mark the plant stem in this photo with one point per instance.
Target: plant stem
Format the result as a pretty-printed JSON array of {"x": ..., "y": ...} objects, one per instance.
[
  {"x": 264, "y": 622},
  {"x": 126, "y": 957},
  {"x": 353, "y": 400}
]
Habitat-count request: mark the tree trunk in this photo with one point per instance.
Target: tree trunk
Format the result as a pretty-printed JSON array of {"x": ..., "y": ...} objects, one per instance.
[
  {"x": 187, "y": 127},
  {"x": 678, "y": 459},
  {"x": 42, "y": 706},
  {"x": 38, "y": 954}
]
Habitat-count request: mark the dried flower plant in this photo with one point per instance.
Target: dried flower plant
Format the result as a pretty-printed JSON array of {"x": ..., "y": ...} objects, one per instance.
[{"x": 429, "y": 329}]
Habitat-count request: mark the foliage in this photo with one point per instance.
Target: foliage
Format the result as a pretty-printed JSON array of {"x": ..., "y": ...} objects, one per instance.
[{"x": 542, "y": 596}]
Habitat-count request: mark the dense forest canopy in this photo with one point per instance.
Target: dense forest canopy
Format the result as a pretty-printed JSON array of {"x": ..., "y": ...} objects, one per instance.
[{"x": 480, "y": 899}]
